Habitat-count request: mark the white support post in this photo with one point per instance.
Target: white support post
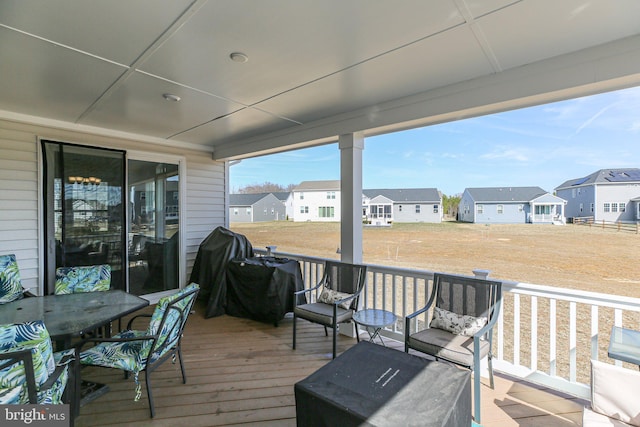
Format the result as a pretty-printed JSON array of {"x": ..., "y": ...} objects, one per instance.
[{"x": 351, "y": 146}]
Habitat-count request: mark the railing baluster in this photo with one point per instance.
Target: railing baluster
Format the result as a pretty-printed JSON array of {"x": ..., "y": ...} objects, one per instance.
[
  {"x": 534, "y": 333},
  {"x": 594, "y": 332},
  {"x": 516, "y": 329},
  {"x": 572, "y": 341},
  {"x": 553, "y": 356}
]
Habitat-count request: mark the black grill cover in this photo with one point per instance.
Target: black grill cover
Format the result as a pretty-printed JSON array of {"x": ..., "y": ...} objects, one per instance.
[{"x": 209, "y": 268}]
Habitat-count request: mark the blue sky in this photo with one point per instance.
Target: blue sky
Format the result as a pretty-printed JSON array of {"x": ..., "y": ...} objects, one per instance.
[{"x": 538, "y": 146}]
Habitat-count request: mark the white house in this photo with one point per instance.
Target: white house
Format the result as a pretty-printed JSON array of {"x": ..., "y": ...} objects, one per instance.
[
  {"x": 606, "y": 194},
  {"x": 316, "y": 201}
]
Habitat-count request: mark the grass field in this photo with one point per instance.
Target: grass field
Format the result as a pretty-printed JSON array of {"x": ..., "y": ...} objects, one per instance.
[{"x": 571, "y": 256}]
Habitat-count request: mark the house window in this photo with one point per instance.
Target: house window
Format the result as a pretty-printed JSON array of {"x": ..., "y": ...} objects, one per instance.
[
  {"x": 592, "y": 207},
  {"x": 399, "y": 208},
  {"x": 264, "y": 211},
  {"x": 466, "y": 209},
  {"x": 235, "y": 211},
  {"x": 175, "y": 195},
  {"x": 417, "y": 208},
  {"x": 301, "y": 196},
  {"x": 614, "y": 207},
  {"x": 326, "y": 211},
  {"x": 248, "y": 211},
  {"x": 581, "y": 207},
  {"x": 331, "y": 194},
  {"x": 304, "y": 209},
  {"x": 520, "y": 208},
  {"x": 479, "y": 209},
  {"x": 607, "y": 207},
  {"x": 435, "y": 208},
  {"x": 622, "y": 207},
  {"x": 500, "y": 209},
  {"x": 273, "y": 211}
]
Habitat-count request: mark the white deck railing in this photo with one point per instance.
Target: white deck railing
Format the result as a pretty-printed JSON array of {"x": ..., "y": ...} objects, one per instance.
[{"x": 545, "y": 334}]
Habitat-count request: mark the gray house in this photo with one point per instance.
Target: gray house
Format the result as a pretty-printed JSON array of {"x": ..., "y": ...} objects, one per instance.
[
  {"x": 510, "y": 205},
  {"x": 256, "y": 208},
  {"x": 384, "y": 206},
  {"x": 607, "y": 194}
]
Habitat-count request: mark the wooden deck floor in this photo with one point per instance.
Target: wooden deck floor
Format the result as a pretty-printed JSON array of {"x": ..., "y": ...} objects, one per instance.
[{"x": 241, "y": 372}]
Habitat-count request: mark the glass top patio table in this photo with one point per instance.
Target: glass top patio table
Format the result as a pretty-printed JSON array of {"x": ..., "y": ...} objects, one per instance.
[
  {"x": 625, "y": 345},
  {"x": 68, "y": 316}
]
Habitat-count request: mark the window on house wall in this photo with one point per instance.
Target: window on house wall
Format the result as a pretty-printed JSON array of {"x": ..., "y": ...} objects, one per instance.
[
  {"x": 399, "y": 208},
  {"x": 592, "y": 207},
  {"x": 466, "y": 209},
  {"x": 622, "y": 207},
  {"x": 520, "y": 208},
  {"x": 301, "y": 196},
  {"x": 614, "y": 207},
  {"x": 326, "y": 211},
  {"x": 417, "y": 209},
  {"x": 273, "y": 211},
  {"x": 479, "y": 209},
  {"x": 264, "y": 211},
  {"x": 304, "y": 209},
  {"x": 435, "y": 209},
  {"x": 500, "y": 209},
  {"x": 248, "y": 211},
  {"x": 581, "y": 207},
  {"x": 235, "y": 211},
  {"x": 607, "y": 207},
  {"x": 331, "y": 194}
]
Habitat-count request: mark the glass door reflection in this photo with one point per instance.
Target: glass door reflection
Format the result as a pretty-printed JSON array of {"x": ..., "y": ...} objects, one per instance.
[{"x": 153, "y": 249}]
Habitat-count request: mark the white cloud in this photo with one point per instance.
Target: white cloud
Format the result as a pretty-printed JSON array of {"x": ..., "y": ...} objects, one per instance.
[{"x": 505, "y": 153}]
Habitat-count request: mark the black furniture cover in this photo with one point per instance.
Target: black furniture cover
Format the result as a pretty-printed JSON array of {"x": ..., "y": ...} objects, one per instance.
[
  {"x": 262, "y": 288},
  {"x": 371, "y": 385},
  {"x": 209, "y": 268}
]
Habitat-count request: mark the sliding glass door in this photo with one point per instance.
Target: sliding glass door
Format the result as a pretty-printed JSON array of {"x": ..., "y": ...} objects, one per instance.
[
  {"x": 154, "y": 199},
  {"x": 84, "y": 209}
]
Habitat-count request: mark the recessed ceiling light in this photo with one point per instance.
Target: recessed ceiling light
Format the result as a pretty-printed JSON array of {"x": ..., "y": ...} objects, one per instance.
[
  {"x": 171, "y": 97},
  {"x": 238, "y": 57}
]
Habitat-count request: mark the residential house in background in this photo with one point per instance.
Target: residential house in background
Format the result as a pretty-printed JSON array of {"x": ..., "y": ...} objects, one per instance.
[
  {"x": 316, "y": 201},
  {"x": 510, "y": 205},
  {"x": 286, "y": 197},
  {"x": 255, "y": 208},
  {"x": 605, "y": 195},
  {"x": 384, "y": 206}
]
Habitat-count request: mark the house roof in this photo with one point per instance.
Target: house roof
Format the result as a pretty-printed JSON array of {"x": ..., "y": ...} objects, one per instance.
[
  {"x": 282, "y": 195},
  {"x": 604, "y": 176},
  {"x": 504, "y": 194},
  {"x": 414, "y": 63},
  {"x": 333, "y": 185},
  {"x": 406, "y": 195},
  {"x": 246, "y": 199}
]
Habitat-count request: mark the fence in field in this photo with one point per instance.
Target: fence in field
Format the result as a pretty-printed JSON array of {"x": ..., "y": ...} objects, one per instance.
[{"x": 611, "y": 225}]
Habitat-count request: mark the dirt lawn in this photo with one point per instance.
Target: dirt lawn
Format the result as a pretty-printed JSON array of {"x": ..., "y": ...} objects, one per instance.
[{"x": 571, "y": 256}]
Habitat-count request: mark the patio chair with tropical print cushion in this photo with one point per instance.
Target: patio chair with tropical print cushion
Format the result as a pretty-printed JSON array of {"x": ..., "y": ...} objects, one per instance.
[
  {"x": 10, "y": 284},
  {"x": 91, "y": 278},
  {"x": 136, "y": 350},
  {"x": 30, "y": 372}
]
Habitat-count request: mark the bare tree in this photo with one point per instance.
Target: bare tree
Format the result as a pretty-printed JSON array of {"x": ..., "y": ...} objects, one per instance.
[{"x": 266, "y": 187}]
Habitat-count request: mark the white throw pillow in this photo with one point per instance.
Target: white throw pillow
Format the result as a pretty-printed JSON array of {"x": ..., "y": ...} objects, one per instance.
[
  {"x": 329, "y": 296},
  {"x": 455, "y": 323}
]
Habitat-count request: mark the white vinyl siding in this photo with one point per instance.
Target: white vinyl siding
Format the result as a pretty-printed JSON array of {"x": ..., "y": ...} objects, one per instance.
[{"x": 20, "y": 202}]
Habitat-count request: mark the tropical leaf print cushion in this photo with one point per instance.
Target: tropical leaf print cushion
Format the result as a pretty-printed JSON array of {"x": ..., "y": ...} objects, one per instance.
[
  {"x": 10, "y": 284},
  {"x": 94, "y": 278}
]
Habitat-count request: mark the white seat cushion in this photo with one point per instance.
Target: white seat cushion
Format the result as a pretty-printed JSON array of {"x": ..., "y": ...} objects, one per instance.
[
  {"x": 615, "y": 392},
  {"x": 593, "y": 419}
]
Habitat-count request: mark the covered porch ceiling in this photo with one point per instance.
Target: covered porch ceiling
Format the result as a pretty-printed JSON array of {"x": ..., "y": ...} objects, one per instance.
[{"x": 315, "y": 69}]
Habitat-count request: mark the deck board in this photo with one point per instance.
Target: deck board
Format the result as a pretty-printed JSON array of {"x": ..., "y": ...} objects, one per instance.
[{"x": 241, "y": 372}]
